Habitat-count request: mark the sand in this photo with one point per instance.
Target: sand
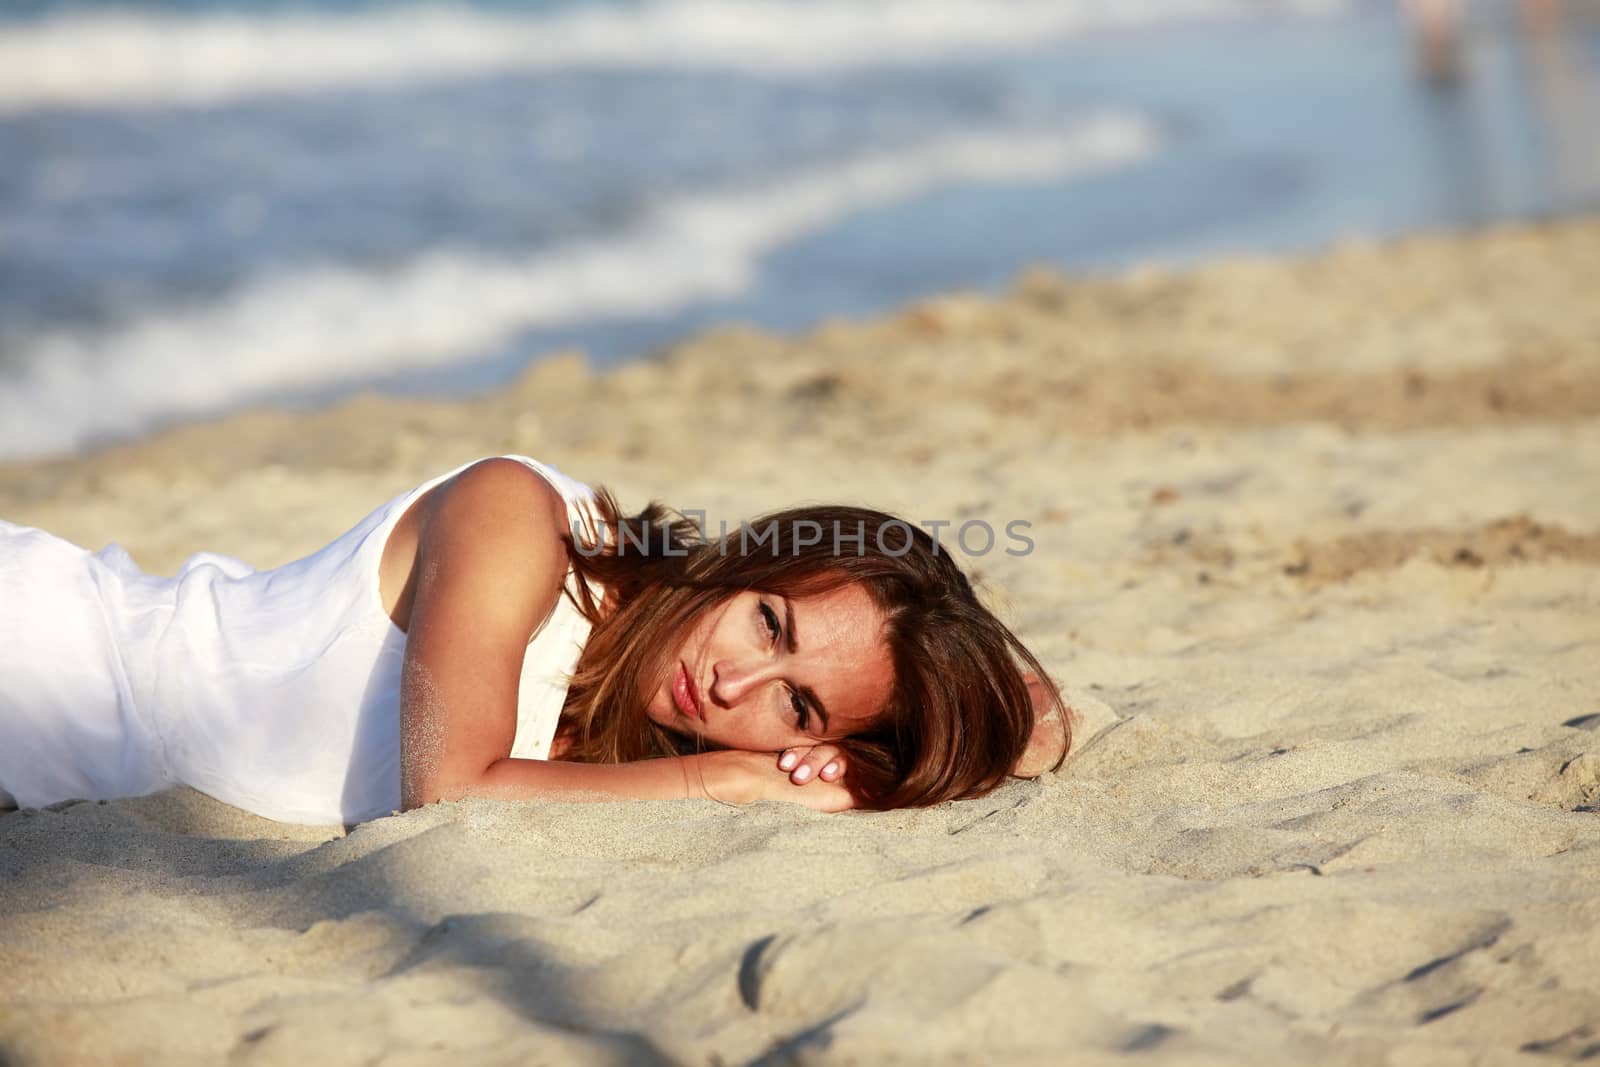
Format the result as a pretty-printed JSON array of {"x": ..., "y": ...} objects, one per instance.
[{"x": 1316, "y": 553}]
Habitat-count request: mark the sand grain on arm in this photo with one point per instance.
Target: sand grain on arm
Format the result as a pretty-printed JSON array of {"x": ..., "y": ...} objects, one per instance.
[{"x": 421, "y": 733}]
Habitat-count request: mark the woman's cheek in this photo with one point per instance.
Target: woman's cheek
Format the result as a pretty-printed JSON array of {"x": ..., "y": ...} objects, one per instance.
[{"x": 734, "y": 735}]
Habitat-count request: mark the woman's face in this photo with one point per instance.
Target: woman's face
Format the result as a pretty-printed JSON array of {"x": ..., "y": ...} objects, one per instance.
[{"x": 764, "y": 672}]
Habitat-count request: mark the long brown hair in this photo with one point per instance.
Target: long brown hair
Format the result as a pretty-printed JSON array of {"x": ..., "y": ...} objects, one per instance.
[{"x": 960, "y": 716}]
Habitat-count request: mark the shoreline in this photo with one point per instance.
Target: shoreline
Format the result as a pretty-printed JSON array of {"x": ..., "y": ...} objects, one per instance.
[{"x": 1433, "y": 333}]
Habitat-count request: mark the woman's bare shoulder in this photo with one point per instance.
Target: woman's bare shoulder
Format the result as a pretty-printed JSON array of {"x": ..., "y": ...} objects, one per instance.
[
  {"x": 500, "y": 483},
  {"x": 498, "y": 513}
]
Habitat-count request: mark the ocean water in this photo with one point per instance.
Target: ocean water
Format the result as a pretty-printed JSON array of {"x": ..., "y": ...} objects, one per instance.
[{"x": 210, "y": 203}]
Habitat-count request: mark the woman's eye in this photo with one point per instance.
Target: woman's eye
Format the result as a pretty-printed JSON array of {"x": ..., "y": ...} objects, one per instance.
[
  {"x": 801, "y": 715},
  {"x": 770, "y": 617}
]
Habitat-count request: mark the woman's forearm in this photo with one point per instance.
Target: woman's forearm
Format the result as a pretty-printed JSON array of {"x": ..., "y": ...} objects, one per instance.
[{"x": 668, "y": 778}]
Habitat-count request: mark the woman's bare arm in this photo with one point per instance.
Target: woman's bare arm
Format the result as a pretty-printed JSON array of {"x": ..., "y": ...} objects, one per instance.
[
  {"x": 1046, "y": 745},
  {"x": 489, "y": 567},
  {"x": 657, "y": 779},
  {"x": 725, "y": 775}
]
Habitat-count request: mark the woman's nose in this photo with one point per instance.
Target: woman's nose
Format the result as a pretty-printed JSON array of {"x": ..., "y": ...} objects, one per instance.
[{"x": 732, "y": 682}]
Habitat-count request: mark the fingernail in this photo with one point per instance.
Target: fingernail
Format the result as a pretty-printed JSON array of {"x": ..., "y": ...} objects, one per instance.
[
  {"x": 802, "y": 774},
  {"x": 831, "y": 768},
  {"x": 788, "y": 761}
]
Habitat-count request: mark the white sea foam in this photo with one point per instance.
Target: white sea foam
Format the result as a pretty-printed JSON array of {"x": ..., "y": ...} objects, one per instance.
[
  {"x": 125, "y": 58},
  {"x": 317, "y": 328}
]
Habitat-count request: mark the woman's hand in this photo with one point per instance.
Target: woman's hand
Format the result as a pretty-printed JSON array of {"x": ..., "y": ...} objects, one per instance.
[{"x": 745, "y": 777}]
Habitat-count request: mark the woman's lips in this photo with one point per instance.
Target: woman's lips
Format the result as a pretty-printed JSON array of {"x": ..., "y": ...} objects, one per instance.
[{"x": 684, "y": 694}]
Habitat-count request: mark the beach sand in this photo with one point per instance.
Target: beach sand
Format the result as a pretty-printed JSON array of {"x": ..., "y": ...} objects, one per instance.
[{"x": 1316, "y": 554}]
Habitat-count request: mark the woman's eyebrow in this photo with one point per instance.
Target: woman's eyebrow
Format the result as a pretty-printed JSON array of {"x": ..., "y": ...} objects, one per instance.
[{"x": 792, "y": 640}]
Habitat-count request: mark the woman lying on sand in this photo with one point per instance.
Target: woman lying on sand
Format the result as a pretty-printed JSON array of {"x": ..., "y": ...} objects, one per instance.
[{"x": 504, "y": 631}]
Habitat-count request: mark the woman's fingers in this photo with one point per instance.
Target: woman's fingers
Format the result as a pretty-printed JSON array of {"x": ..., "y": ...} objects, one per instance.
[{"x": 818, "y": 761}]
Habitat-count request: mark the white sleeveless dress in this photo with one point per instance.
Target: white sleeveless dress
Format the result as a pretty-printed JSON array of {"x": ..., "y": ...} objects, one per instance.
[{"x": 276, "y": 691}]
